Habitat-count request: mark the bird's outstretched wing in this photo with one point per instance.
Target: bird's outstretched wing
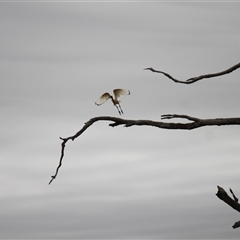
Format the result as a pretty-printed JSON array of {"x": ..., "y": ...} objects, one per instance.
[
  {"x": 119, "y": 91},
  {"x": 103, "y": 99}
]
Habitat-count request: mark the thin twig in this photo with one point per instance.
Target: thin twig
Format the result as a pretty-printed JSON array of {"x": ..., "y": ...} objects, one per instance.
[
  {"x": 234, "y": 196},
  {"x": 195, "y": 79}
]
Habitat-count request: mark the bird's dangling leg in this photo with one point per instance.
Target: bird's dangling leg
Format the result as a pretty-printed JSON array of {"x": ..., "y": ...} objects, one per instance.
[{"x": 120, "y": 108}]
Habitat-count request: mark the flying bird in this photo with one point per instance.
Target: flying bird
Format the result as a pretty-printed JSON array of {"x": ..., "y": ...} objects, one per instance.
[{"x": 115, "y": 100}]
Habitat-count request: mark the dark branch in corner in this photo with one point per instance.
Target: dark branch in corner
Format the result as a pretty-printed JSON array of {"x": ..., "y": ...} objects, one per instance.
[
  {"x": 234, "y": 196},
  {"x": 232, "y": 202},
  {"x": 195, "y": 123},
  {"x": 195, "y": 79}
]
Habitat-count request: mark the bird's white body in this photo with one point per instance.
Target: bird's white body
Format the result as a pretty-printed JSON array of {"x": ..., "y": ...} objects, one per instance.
[{"x": 116, "y": 100}]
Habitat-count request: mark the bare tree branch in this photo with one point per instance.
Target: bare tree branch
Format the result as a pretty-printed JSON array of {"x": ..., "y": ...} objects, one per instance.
[
  {"x": 236, "y": 225},
  {"x": 195, "y": 79},
  {"x": 232, "y": 202},
  {"x": 234, "y": 196},
  {"x": 195, "y": 123},
  {"x": 170, "y": 116},
  {"x": 222, "y": 194}
]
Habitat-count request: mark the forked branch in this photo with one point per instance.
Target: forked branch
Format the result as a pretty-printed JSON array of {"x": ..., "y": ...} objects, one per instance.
[
  {"x": 194, "y": 123},
  {"x": 232, "y": 202},
  {"x": 195, "y": 79}
]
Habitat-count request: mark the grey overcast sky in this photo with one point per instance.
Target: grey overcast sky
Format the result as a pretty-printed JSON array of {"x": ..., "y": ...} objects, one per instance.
[{"x": 57, "y": 58}]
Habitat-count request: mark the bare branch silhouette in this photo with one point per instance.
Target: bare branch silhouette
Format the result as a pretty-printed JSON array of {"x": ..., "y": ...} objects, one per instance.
[
  {"x": 194, "y": 123},
  {"x": 232, "y": 202},
  {"x": 195, "y": 79},
  {"x": 234, "y": 196}
]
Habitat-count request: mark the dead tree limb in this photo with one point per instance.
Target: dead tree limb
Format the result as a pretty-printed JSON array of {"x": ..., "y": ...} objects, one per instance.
[
  {"x": 232, "y": 202},
  {"x": 195, "y": 79},
  {"x": 194, "y": 123}
]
